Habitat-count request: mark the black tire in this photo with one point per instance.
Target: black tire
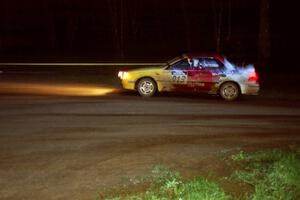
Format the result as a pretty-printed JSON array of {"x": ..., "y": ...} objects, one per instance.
[
  {"x": 146, "y": 87},
  {"x": 229, "y": 91}
]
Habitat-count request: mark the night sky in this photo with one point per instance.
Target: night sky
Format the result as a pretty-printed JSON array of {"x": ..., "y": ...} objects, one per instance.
[{"x": 135, "y": 30}]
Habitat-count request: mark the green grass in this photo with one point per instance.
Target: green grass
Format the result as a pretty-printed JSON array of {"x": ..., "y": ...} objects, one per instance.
[
  {"x": 166, "y": 184},
  {"x": 273, "y": 175}
]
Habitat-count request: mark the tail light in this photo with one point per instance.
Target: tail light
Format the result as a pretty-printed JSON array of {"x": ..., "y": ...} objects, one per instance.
[{"x": 253, "y": 76}]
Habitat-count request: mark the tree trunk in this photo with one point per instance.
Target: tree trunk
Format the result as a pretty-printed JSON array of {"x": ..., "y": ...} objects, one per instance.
[
  {"x": 228, "y": 37},
  {"x": 186, "y": 25},
  {"x": 118, "y": 17},
  {"x": 217, "y": 7},
  {"x": 135, "y": 18},
  {"x": 264, "y": 34}
]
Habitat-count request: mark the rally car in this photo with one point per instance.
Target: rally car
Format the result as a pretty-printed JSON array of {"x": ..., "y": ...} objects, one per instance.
[{"x": 210, "y": 74}]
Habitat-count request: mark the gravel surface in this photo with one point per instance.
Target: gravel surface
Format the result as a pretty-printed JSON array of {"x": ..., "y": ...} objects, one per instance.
[{"x": 58, "y": 147}]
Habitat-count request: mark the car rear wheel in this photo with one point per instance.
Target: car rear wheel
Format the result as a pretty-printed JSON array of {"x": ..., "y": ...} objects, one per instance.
[
  {"x": 229, "y": 91},
  {"x": 146, "y": 87}
]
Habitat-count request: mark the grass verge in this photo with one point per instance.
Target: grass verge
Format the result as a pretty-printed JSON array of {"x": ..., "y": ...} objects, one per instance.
[{"x": 273, "y": 174}]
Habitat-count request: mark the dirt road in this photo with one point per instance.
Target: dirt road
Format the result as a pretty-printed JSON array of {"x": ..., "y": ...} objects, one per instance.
[{"x": 54, "y": 147}]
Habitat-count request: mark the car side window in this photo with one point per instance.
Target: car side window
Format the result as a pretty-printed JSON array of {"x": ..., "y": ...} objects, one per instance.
[
  {"x": 211, "y": 63},
  {"x": 195, "y": 63},
  {"x": 180, "y": 65},
  {"x": 198, "y": 63}
]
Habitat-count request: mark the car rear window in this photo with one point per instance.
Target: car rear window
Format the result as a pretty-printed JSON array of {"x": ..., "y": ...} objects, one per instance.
[{"x": 210, "y": 63}]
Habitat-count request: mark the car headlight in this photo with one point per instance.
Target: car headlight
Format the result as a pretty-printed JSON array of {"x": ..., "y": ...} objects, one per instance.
[{"x": 123, "y": 75}]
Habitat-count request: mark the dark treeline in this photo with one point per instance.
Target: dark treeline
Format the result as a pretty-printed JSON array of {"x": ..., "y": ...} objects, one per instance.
[{"x": 136, "y": 29}]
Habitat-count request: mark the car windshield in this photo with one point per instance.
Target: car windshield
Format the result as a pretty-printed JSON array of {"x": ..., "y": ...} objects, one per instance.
[{"x": 172, "y": 61}]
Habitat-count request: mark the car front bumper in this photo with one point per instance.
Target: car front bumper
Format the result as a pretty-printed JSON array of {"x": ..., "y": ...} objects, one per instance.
[{"x": 128, "y": 84}]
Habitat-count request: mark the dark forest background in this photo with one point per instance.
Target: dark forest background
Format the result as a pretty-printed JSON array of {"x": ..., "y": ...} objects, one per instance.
[{"x": 251, "y": 31}]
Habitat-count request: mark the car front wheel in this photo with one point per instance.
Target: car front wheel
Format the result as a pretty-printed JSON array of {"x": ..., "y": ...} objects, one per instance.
[
  {"x": 146, "y": 87},
  {"x": 229, "y": 91}
]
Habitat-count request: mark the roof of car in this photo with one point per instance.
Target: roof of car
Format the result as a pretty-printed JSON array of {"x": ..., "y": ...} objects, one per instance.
[{"x": 200, "y": 55}]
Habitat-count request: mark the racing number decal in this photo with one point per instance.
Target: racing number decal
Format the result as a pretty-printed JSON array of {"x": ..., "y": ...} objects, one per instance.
[{"x": 179, "y": 77}]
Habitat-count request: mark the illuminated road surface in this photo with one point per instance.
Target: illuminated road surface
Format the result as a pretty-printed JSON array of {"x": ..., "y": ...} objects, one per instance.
[
  {"x": 62, "y": 147},
  {"x": 55, "y": 89}
]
